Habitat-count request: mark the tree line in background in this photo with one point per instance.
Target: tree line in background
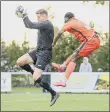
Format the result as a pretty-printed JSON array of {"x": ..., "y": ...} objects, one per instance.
[{"x": 65, "y": 46}]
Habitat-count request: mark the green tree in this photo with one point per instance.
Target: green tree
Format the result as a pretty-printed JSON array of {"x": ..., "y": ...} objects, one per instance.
[
  {"x": 99, "y": 2},
  {"x": 25, "y": 45},
  {"x": 10, "y": 54},
  {"x": 64, "y": 48},
  {"x": 50, "y": 12},
  {"x": 100, "y": 57},
  {"x": 13, "y": 52},
  {"x": 4, "y": 57}
]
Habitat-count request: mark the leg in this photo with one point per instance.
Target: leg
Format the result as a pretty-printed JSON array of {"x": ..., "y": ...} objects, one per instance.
[
  {"x": 26, "y": 59},
  {"x": 71, "y": 57},
  {"x": 68, "y": 60},
  {"x": 65, "y": 64},
  {"x": 24, "y": 62},
  {"x": 40, "y": 66},
  {"x": 70, "y": 63},
  {"x": 62, "y": 67},
  {"x": 38, "y": 79},
  {"x": 84, "y": 50},
  {"x": 46, "y": 79},
  {"x": 70, "y": 68}
]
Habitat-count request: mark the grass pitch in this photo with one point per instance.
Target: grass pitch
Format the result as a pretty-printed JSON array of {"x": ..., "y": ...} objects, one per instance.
[{"x": 66, "y": 102}]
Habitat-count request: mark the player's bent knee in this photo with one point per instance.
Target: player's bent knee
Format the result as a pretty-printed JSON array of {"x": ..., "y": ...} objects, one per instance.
[
  {"x": 36, "y": 77},
  {"x": 37, "y": 73},
  {"x": 19, "y": 62},
  {"x": 39, "y": 80}
]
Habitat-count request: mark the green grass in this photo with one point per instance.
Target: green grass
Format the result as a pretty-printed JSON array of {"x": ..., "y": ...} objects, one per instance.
[
  {"x": 26, "y": 89},
  {"x": 66, "y": 102}
]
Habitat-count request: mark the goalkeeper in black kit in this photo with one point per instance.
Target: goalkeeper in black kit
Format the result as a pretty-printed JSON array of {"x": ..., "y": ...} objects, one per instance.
[{"x": 42, "y": 55}]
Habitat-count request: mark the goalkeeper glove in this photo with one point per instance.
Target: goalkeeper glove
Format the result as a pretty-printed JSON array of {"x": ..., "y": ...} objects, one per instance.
[{"x": 21, "y": 12}]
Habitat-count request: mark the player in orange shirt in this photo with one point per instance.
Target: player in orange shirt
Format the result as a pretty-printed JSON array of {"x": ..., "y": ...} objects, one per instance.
[{"x": 88, "y": 37}]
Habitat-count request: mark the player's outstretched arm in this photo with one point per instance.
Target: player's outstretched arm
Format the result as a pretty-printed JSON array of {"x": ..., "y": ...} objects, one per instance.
[
  {"x": 22, "y": 13},
  {"x": 35, "y": 25},
  {"x": 57, "y": 37}
]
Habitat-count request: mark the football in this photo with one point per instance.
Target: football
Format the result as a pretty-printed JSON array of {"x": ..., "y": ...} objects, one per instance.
[{"x": 19, "y": 14}]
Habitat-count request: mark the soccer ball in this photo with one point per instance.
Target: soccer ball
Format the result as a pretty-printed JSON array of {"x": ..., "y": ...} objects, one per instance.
[
  {"x": 19, "y": 11},
  {"x": 19, "y": 14}
]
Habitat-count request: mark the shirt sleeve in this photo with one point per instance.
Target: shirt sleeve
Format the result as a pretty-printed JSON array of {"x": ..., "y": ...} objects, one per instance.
[{"x": 35, "y": 25}]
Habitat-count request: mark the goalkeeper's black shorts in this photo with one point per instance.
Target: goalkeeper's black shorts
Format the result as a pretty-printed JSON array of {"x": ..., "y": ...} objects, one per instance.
[{"x": 41, "y": 57}]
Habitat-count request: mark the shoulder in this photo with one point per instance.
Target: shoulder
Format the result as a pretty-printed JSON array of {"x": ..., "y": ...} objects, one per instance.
[
  {"x": 70, "y": 24},
  {"x": 48, "y": 23}
]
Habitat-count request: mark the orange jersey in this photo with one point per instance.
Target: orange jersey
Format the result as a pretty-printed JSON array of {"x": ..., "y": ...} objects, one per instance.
[{"x": 79, "y": 29}]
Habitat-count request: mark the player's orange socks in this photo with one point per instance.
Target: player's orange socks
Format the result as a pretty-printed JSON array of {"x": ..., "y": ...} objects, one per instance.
[
  {"x": 70, "y": 68},
  {"x": 68, "y": 60}
]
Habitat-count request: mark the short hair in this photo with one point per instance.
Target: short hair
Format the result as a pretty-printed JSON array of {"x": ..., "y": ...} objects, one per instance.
[
  {"x": 42, "y": 11},
  {"x": 69, "y": 15}
]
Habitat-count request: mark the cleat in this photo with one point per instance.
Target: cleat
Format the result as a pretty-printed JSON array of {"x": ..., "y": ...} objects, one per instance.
[
  {"x": 61, "y": 83},
  {"x": 58, "y": 67},
  {"x": 54, "y": 98}
]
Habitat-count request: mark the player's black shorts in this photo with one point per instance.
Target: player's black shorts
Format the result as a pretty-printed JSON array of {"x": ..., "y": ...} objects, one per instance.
[{"x": 41, "y": 58}]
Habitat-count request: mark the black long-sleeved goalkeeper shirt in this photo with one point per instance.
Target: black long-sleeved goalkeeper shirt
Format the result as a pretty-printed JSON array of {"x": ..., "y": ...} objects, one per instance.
[{"x": 45, "y": 32}]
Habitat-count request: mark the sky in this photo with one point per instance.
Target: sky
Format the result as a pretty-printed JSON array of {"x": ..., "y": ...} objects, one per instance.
[{"x": 12, "y": 27}]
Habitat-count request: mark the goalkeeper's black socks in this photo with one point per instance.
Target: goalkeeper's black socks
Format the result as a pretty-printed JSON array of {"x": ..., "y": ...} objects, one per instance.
[
  {"x": 28, "y": 68},
  {"x": 46, "y": 86}
]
